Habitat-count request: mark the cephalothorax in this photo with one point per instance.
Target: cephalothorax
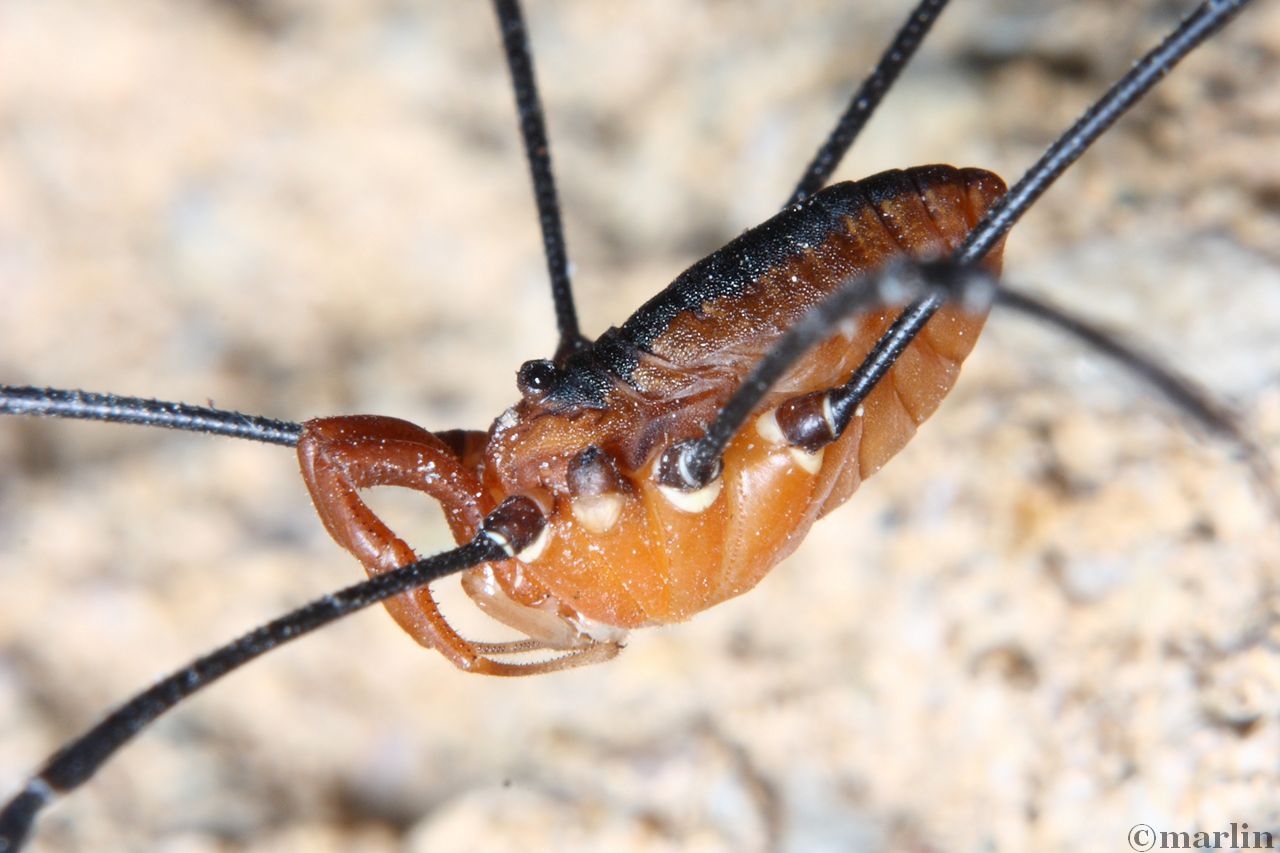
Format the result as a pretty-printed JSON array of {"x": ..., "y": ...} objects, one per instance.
[{"x": 671, "y": 463}]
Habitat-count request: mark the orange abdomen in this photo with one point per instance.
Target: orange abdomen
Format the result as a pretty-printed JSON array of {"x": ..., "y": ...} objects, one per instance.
[{"x": 662, "y": 562}]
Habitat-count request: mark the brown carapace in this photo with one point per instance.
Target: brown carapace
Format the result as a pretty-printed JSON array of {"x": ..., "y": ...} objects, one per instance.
[{"x": 619, "y": 549}]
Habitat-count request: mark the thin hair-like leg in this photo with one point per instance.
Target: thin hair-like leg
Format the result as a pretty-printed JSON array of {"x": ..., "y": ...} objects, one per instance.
[
  {"x": 533, "y": 134},
  {"x": 139, "y": 411},
  {"x": 693, "y": 464},
  {"x": 79, "y": 759},
  {"x": 866, "y": 98},
  {"x": 1182, "y": 393},
  {"x": 1203, "y": 22},
  {"x": 696, "y": 462}
]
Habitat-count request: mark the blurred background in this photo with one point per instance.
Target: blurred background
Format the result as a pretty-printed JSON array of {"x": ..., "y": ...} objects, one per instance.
[{"x": 1043, "y": 623}]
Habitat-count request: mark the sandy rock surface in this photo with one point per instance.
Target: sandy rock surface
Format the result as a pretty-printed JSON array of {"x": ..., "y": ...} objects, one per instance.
[{"x": 1044, "y": 623}]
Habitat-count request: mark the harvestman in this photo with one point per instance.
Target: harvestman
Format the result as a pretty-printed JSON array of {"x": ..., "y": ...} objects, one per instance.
[{"x": 684, "y": 472}]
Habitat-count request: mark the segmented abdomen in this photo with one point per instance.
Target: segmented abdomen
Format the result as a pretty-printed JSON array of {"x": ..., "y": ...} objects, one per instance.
[
  {"x": 663, "y": 562},
  {"x": 728, "y": 309}
]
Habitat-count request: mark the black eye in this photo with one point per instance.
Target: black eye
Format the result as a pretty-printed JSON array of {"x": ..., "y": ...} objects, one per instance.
[{"x": 536, "y": 377}]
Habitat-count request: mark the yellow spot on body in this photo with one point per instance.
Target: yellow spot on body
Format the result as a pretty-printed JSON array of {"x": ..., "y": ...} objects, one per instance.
[
  {"x": 767, "y": 427},
  {"x": 597, "y": 513},
  {"x": 810, "y": 462},
  {"x": 696, "y": 501},
  {"x": 535, "y": 548}
]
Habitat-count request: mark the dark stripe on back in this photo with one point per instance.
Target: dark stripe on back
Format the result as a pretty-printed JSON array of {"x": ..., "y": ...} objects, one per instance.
[{"x": 726, "y": 273}]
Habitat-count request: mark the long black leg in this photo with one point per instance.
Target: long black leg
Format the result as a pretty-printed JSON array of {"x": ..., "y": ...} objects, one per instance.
[
  {"x": 693, "y": 464},
  {"x": 78, "y": 760},
  {"x": 1181, "y": 392},
  {"x": 508, "y": 529},
  {"x": 1207, "y": 19},
  {"x": 689, "y": 464},
  {"x": 92, "y": 406},
  {"x": 533, "y": 133},
  {"x": 867, "y": 98}
]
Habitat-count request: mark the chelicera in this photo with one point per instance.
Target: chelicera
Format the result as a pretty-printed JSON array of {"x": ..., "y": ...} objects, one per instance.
[{"x": 598, "y": 482}]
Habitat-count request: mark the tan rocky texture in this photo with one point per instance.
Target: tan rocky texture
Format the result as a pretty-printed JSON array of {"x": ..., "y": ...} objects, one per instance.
[{"x": 1031, "y": 631}]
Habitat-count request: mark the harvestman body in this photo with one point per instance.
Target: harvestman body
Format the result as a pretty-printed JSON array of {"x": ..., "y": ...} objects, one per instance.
[
  {"x": 621, "y": 548},
  {"x": 673, "y": 462}
]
